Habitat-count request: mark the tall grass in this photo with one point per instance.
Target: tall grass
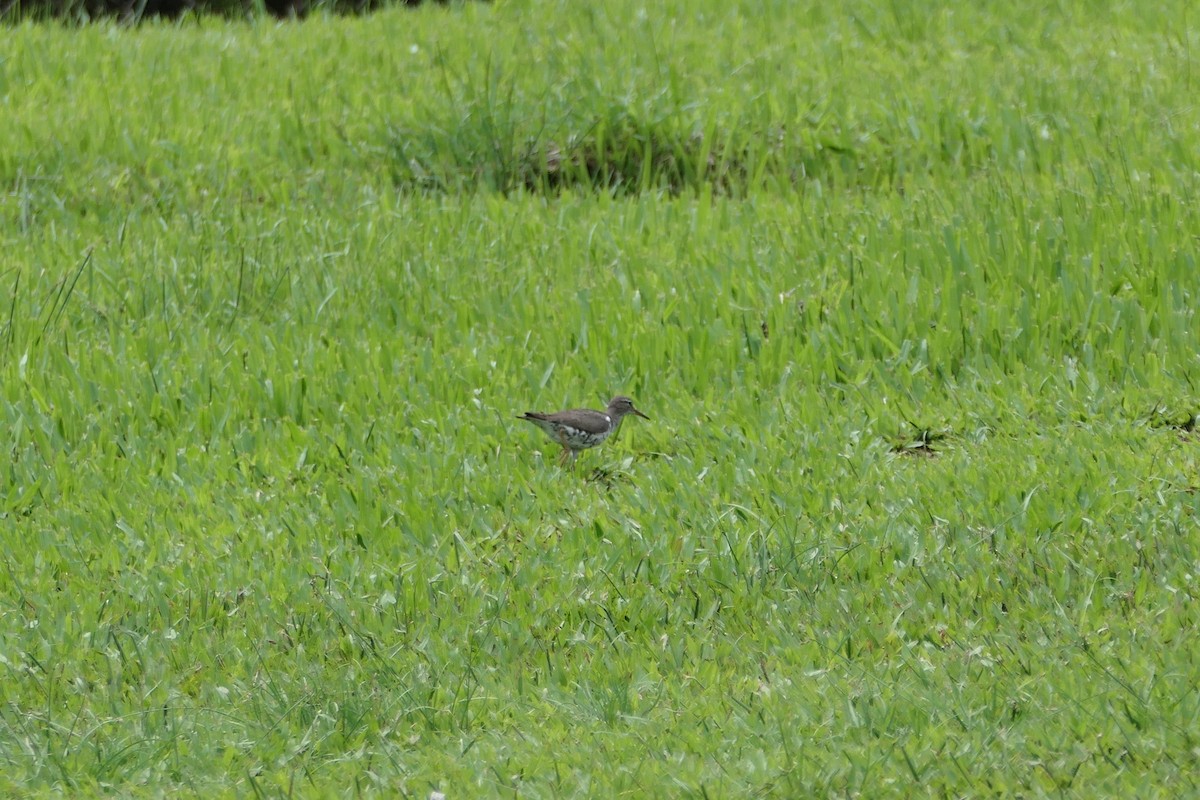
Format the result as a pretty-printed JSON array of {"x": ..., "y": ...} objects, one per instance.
[{"x": 909, "y": 298}]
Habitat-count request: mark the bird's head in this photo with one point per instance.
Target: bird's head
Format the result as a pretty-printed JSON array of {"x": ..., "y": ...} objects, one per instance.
[{"x": 622, "y": 405}]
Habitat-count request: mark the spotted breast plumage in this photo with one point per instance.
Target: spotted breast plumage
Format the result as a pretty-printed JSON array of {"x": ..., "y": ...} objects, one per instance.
[{"x": 580, "y": 428}]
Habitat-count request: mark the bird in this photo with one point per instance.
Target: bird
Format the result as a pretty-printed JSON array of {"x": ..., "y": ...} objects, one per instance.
[{"x": 580, "y": 428}]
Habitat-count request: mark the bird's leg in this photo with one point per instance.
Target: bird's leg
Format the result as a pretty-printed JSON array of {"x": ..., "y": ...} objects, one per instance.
[{"x": 565, "y": 455}]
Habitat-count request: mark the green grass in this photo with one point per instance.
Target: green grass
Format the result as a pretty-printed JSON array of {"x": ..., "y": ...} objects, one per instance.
[{"x": 909, "y": 295}]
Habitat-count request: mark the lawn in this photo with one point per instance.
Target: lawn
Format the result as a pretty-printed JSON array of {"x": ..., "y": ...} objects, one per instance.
[{"x": 908, "y": 293}]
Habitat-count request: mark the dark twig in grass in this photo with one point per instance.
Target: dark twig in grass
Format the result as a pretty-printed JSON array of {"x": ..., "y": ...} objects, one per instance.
[
  {"x": 921, "y": 444},
  {"x": 1162, "y": 418}
]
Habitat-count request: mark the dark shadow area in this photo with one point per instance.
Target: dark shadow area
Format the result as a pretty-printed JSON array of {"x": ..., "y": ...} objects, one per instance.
[{"x": 132, "y": 11}]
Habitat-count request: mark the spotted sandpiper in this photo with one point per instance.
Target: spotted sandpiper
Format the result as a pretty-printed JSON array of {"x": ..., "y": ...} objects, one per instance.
[{"x": 581, "y": 428}]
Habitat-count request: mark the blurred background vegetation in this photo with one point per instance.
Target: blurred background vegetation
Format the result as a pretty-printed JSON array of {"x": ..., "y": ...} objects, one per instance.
[{"x": 83, "y": 11}]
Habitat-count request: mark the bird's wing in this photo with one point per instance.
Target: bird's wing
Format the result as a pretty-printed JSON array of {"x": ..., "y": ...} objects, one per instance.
[{"x": 583, "y": 419}]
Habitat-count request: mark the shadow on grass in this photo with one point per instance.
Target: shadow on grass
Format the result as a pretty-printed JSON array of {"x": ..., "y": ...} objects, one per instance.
[{"x": 629, "y": 159}]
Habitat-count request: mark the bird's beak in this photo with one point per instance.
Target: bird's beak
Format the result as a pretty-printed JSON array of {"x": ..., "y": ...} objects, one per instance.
[{"x": 640, "y": 414}]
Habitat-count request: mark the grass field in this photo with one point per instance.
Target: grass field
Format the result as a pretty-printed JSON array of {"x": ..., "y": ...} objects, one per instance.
[{"x": 909, "y": 294}]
